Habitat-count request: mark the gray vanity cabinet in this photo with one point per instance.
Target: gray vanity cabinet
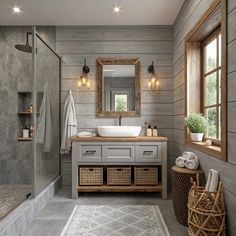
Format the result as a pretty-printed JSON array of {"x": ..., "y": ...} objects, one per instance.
[{"x": 149, "y": 153}]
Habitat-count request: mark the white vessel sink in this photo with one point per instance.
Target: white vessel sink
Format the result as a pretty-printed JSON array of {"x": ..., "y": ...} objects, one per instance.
[{"x": 119, "y": 131}]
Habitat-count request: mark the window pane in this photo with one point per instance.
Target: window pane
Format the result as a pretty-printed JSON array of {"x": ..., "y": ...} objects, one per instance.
[
  {"x": 219, "y": 85},
  {"x": 211, "y": 114},
  {"x": 211, "y": 89},
  {"x": 219, "y": 118},
  {"x": 219, "y": 49},
  {"x": 121, "y": 101},
  {"x": 211, "y": 56}
]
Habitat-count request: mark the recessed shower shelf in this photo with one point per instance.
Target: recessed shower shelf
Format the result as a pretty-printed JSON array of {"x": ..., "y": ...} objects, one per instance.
[{"x": 24, "y": 139}]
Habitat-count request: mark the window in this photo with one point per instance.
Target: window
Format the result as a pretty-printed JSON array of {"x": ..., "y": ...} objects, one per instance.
[
  {"x": 121, "y": 102},
  {"x": 211, "y": 84},
  {"x": 206, "y": 77}
]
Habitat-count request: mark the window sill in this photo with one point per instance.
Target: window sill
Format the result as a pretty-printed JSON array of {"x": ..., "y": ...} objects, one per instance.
[{"x": 201, "y": 146}]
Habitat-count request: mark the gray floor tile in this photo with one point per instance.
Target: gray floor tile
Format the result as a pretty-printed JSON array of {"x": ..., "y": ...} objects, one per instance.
[
  {"x": 178, "y": 230},
  {"x": 45, "y": 228},
  {"x": 57, "y": 210}
]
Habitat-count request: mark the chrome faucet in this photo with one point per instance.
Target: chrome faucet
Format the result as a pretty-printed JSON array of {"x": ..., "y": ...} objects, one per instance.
[{"x": 120, "y": 117}]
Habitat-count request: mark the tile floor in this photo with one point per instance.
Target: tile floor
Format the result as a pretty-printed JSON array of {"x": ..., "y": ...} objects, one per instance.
[{"x": 54, "y": 216}]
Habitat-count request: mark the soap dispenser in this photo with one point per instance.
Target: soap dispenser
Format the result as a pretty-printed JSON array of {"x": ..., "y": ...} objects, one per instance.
[
  {"x": 149, "y": 131},
  {"x": 155, "y": 131}
]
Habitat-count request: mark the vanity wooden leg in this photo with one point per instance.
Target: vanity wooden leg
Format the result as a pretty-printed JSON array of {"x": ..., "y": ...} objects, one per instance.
[{"x": 164, "y": 171}]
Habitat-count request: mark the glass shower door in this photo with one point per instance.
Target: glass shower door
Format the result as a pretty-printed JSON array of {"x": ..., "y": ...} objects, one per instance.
[{"x": 46, "y": 113}]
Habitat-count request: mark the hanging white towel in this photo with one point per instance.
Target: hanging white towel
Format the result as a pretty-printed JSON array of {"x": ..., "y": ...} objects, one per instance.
[
  {"x": 180, "y": 161},
  {"x": 44, "y": 129},
  {"x": 69, "y": 127},
  {"x": 212, "y": 180}
]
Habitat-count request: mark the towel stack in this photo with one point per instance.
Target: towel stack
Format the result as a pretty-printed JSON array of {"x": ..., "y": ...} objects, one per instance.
[{"x": 188, "y": 160}]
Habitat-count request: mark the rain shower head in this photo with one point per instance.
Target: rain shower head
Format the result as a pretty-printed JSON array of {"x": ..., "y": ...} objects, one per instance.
[{"x": 24, "y": 47}]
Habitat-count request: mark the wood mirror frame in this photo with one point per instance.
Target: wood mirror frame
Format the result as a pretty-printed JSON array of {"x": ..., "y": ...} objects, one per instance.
[{"x": 100, "y": 103}]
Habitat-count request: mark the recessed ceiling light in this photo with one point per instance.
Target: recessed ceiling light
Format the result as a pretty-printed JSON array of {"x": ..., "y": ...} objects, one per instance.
[
  {"x": 116, "y": 9},
  {"x": 16, "y": 10}
]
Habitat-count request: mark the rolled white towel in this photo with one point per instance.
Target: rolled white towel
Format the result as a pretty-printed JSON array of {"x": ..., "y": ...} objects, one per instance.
[
  {"x": 212, "y": 180},
  {"x": 190, "y": 155},
  {"x": 180, "y": 161},
  {"x": 192, "y": 164}
]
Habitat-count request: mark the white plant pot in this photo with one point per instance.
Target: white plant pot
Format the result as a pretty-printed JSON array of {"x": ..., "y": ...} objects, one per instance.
[{"x": 196, "y": 137}]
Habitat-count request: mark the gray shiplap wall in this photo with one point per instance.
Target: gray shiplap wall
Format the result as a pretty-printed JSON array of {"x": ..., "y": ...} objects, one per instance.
[
  {"x": 145, "y": 42},
  {"x": 190, "y": 13}
]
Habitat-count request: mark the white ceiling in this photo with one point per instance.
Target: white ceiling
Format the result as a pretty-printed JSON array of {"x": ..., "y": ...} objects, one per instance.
[{"x": 89, "y": 12}]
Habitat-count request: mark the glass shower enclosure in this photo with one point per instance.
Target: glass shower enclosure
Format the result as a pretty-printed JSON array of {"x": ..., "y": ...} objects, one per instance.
[{"x": 30, "y": 98}]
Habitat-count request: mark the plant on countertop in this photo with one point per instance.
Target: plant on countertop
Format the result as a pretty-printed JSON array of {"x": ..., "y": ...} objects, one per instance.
[{"x": 196, "y": 123}]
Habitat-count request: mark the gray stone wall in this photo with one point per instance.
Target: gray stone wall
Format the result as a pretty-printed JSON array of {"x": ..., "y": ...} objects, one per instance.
[
  {"x": 15, "y": 75},
  {"x": 190, "y": 13}
]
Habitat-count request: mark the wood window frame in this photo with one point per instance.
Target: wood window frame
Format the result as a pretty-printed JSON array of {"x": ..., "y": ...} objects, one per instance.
[{"x": 214, "y": 17}]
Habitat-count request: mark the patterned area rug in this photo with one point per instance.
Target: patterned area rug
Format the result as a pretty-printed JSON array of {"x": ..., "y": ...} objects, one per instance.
[
  {"x": 11, "y": 196},
  {"x": 116, "y": 220}
]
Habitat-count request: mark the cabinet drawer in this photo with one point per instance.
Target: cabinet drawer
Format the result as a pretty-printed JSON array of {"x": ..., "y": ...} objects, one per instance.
[
  {"x": 118, "y": 154},
  {"x": 148, "y": 153},
  {"x": 90, "y": 153}
]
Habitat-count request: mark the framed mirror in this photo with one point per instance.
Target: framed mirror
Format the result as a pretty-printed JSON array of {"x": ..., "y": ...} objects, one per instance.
[{"x": 118, "y": 84}]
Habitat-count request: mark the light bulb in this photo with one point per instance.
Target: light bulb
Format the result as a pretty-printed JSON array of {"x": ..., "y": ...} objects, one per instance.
[
  {"x": 157, "y": 82},
  {"x": 83, "y": 80},
  {"x": 79, "y": 83},
  {"x": 116, "y": 9},
  {"x": 153, "y": 80},
  {"x": 16, "y": 10},
  {"x": 88, "y": 84},
  {"x": 149, "y": 84}
]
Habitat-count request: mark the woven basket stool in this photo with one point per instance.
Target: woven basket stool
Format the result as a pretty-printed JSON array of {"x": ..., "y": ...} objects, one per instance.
[{"x": 181, "y": 184}]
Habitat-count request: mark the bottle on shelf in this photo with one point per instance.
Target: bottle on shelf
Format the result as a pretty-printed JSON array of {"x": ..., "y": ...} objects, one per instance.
[
  {"x": 155, "y": 131},
  {"x": 25, "y": 133},
  {"x": 30, "y": 109},
  {"x": 149, "y": 131}
]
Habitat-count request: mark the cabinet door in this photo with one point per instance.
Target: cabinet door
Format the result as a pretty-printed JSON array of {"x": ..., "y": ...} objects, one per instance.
[
  {"x": 118, "y": 153},
  {"x": 90, "y": 153},
  {"x": 148, "y": 153}
]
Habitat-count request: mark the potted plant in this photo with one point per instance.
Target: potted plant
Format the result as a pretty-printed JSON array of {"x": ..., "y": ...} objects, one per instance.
[{"x": 197, "y": 124}]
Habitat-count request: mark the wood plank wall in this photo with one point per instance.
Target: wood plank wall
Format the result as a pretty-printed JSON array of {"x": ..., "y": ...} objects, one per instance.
[
  {"x": 190, "y": 13},
  {"x": 145, "y": 42}
]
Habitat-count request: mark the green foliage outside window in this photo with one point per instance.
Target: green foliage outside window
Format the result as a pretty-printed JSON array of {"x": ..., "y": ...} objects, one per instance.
[{"x": 120, "y": 102}]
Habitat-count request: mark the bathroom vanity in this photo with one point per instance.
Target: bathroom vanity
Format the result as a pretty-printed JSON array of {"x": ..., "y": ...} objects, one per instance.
[{"x": 108, "y": 164}]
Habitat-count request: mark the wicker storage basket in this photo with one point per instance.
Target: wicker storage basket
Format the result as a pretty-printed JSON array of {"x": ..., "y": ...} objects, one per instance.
[
  {"x": 146, "y": 175},
  {"x": 206, "y": 212},
  {"x": 119, "y": 176},
  {"x": 91, "y": 176}
]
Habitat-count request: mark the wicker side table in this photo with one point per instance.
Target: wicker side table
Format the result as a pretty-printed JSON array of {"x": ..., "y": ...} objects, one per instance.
[{"x": 181, "y": 184}]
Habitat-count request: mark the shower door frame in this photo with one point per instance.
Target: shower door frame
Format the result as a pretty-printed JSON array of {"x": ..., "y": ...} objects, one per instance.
[{"x": 35, "y": 35}]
